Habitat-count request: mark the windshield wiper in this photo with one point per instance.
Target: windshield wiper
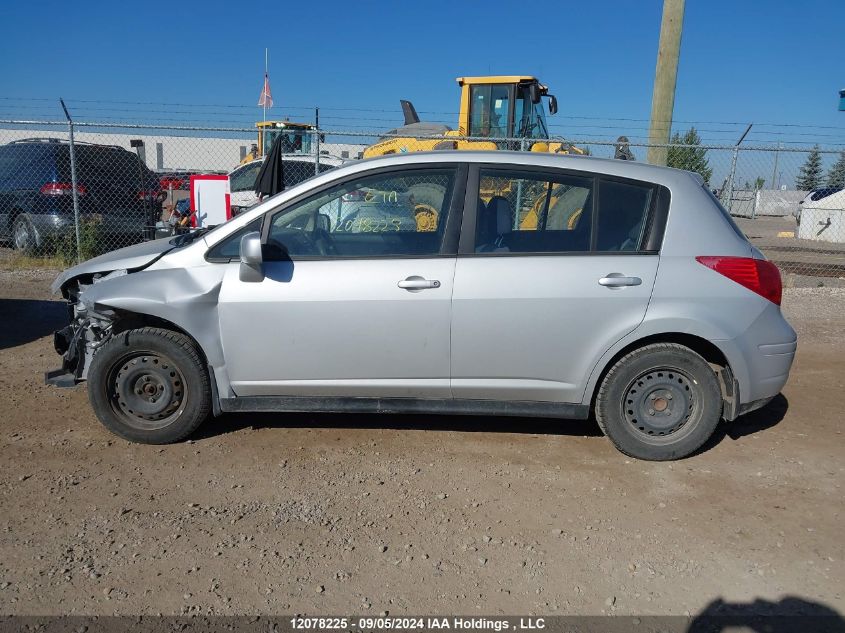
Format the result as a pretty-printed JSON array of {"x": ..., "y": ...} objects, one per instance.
[{"x": 187, "y": 238}]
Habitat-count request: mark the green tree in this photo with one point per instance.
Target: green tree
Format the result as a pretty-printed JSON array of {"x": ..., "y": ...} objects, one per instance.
[
  {"x": 810, "y": 176},
  {"x": 836, "y": 175},
  {"x": 686, "y": 152},
  {"x": 759, "y": 182}
]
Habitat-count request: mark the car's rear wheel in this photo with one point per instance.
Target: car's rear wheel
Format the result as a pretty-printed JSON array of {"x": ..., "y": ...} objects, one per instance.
[
  {"x": 150, "y": 385},
  {"x": 24, "y": 235},
  {"x": 659, "y": 402}
]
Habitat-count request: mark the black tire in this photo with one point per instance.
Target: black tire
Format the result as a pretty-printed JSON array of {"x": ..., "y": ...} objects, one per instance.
[
  {"x": 150, "y": 386},
  {"x": 660, "y": 402},
  {"x": 24, "y": 235}
]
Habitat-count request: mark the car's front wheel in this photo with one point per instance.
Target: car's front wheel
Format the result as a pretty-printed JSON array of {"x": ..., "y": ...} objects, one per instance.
[
  {"x": 659, "y": 402},
  {"x": 150, "y": 385}
]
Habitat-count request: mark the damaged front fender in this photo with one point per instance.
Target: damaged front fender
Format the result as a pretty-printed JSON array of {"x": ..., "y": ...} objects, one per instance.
[{"x": 183, "y": 297}]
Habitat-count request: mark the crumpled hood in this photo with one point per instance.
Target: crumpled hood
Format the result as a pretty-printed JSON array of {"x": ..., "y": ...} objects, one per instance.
[{"x": 136, "y": 256}]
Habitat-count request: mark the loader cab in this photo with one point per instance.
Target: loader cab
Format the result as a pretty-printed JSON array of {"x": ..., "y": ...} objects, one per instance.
[
  {"x": 296, "y": 137},
  {"x": 498, "y": 107}
]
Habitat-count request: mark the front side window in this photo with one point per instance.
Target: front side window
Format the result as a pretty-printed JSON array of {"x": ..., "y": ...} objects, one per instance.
[
  {"x": 520, "y": 212},
  {"x": 489, "y": 107},
  {"x": 400, "y": 213}
]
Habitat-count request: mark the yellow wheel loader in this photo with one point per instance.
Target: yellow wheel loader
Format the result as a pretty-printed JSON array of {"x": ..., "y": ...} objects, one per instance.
[
  {"x": 500, "y": 108},
  {"x": 502, "y": 112},
  {"x": 296, "y": 138}
]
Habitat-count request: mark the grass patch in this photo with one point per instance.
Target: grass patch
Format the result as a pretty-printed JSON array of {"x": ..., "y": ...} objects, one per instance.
[
  {"x": 19, "y": 261},
  {"x": 60, "y": 251},
  {"x": 91, "y": 243}
]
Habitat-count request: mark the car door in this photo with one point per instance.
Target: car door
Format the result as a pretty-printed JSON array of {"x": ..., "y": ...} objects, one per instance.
[
  {"x": 554, "y": 268},
  {"x": 356, "y": 295}
]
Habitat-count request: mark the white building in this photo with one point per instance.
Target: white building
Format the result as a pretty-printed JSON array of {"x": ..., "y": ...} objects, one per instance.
[{"x": 193, "y": 153}]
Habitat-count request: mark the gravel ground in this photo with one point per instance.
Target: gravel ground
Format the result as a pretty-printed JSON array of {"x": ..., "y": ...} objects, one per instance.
[{"x": 365, "y": 515}]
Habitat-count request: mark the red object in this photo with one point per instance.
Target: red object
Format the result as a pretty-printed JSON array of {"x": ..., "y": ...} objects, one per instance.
[
  {"x": 266, "y": 98},
  {"x": 193, "y": 198},
  {"x": 61, "y": 189},
  {"x": 758, "y": 275},
  {"x": 171, "y": 182},
  {"x": 148, "y": 195}
]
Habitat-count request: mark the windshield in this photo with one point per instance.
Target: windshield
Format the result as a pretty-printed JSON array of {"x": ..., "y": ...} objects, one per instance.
[{"x": 529, "y": 118}]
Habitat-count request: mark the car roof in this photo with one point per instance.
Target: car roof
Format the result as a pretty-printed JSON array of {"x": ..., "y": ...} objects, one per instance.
[
  {"x": 624, "y": 169},
  {"x": 44, "y": 141}
]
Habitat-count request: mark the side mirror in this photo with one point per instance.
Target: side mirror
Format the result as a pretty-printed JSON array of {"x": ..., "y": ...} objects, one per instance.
[
  {"x": 552, "y": 104},
  {"x": 534, "y": 92},
  {"x": 252, "y": 261}
]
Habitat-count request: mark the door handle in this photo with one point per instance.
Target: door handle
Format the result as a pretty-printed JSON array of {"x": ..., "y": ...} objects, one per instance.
[
  {"x": 418, "y": 283},
  {"x": 618, "y": 280}
]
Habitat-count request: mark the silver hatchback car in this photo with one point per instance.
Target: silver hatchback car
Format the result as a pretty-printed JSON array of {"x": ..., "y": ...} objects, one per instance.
[{"x": 485, "y": 283}]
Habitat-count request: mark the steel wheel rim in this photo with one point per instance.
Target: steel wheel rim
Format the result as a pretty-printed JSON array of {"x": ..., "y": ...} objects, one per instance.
[
  {"x": 659, "y": 402},
  {"x": 147, "y": 390},
  {"x": 21, "y": 235}
]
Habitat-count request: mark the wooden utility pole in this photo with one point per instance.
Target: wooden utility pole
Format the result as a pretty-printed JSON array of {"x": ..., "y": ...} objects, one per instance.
[{"x": 663, "y": 98}]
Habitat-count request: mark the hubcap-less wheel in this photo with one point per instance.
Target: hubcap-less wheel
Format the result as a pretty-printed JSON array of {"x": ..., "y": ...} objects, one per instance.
[
  {"x": 659, "y": 402},
  {"x": 21, "y": 235},
  {"x": 147, "y": 390}
]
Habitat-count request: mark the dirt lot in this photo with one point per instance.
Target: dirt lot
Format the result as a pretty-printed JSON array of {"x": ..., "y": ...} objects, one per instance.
[{"x": 361, "y": 514}]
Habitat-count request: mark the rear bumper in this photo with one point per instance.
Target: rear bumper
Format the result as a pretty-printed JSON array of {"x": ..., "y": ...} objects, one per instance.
[{"x": 763, "y": 356}]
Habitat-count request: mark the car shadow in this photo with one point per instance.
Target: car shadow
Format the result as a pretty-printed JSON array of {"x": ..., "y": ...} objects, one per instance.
[
  {"x": 26, "y": 320},
  {"x": 232, "y": 422},
  {"x": 791, "y": 614},
  {"x": 749, "y": 424}
]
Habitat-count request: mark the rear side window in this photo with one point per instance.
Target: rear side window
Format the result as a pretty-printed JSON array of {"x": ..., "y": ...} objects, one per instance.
[
  {"x": 521, "y": 212},
  {"x": 118, "y": 167},
  {"x": 623, "y": 213}
]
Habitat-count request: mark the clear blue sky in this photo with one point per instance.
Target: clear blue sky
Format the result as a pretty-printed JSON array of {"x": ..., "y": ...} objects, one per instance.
[{"x": 774, "y": 61}]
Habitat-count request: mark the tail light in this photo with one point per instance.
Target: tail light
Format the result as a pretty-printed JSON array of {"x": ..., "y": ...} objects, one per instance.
[
  {"x": 758, "y": 275},
  {"x": 61, "y": 189}
]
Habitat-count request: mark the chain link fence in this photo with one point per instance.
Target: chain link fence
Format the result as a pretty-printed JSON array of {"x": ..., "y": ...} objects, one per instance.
[{"x": 82, "y": 189}]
